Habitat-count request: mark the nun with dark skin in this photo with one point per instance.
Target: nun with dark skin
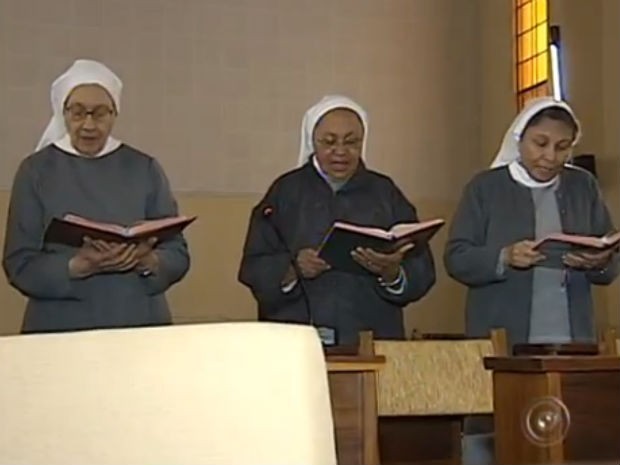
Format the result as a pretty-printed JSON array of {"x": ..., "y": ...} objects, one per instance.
[{"x": 332, "y": 183}]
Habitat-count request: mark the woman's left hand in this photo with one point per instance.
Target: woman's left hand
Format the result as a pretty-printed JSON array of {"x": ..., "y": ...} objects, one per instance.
[
  {"x": 144, "y": 254},
  {"x": 385, "y": 265},
  {"x": 588, "y": 261}
]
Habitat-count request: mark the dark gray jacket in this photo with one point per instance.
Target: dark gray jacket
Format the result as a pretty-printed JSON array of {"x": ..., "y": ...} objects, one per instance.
[{"x": 304, "y": 208}]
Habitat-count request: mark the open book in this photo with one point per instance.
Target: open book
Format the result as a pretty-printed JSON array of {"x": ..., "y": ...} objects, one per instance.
[
  {"x": 343, "y": 238},
  {"x": 72, "y": 229},
  {"x": 601, "y": 243}
]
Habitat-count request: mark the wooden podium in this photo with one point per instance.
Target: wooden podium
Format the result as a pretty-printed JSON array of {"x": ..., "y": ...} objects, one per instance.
[
  {"x": 556, "y": 408},
  {"x": 352, "y": 376}
]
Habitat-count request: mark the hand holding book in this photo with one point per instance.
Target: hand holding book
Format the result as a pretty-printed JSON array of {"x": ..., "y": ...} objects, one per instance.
[
  {"x": 587, "y": 260},
  {"x": 610, "y": 240},
  {"x": 143, "y": 259},
  {"x": 386, "y": 265},
  {"x": 89, "y": 261},
  {"x": 98, "y": 256},
  {"x": 579, "y": 252},
  {"x": 309, "y": 263},
  {"x": 522, "y": 255}
]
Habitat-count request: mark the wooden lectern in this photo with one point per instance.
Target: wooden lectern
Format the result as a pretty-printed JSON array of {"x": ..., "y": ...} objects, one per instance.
[
  {"x": 352, "y": 376},
  {"x": 556, "y": 408}
]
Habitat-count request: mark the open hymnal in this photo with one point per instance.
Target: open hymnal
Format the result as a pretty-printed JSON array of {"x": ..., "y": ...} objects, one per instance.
[
  {"x": 605, "y": 242},
  {"x": 342, "y": 238},
  {"x": 72, "y": 229}
]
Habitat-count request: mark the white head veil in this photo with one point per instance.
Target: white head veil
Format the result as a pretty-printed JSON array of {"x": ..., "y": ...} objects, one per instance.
[
  {"x": 509, "y": 151},
  {"x": 314, "y": 114},
  {"x": 80, "y": 73}
]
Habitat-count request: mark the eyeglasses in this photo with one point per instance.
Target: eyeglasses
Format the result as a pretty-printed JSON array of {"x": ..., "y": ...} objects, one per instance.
[
  {"x": 79, "y": 113},
  {"x": 350, "y": 145}
]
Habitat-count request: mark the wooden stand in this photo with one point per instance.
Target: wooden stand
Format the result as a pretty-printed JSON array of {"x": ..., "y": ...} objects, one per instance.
[
  {"x": 587, "y": 386},
  {"x": 352, "y": 383}
]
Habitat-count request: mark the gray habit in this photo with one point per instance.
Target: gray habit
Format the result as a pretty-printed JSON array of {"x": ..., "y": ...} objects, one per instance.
[
  {"x": 494, "y": 212},
  {"x": 122, "y": 187},
  {"x": 305, "y": 207}
]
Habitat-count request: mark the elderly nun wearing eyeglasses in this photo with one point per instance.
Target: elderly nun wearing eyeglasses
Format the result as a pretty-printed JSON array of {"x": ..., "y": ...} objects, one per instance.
[
  {"x": 79, "y": 168},
  {"x": 539, "y": 295},
  {"x": 332, "y": 184}
]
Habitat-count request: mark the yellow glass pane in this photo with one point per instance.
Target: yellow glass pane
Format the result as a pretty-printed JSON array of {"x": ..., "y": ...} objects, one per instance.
[
  {"x": 527, "y": 75},
  {"x": 542, "y": 38},
  {"x": 526, "y": 17},
  {"x": 541, "y": 10},
  {"x": 532, "y": 73},
  {"x": 542, "y": 67},
  {"x": 526, "y": 46},
  {"x": 525, "y": 78}
]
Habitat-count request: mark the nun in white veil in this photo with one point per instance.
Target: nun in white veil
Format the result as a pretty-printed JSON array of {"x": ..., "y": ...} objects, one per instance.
[
  {"x": 537, "y": 293},
  {"x": 332, "y": 183},
  {"x": 83, "y": 73},
  {"x": 314, "y": 114},
  {"x": 79, "y": 168},
  {"x": 509, "y": 153}
]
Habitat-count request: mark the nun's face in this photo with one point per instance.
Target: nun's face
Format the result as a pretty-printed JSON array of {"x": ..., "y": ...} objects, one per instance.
[
  {"x": 338, "y": 139},
  {"x": 89, "y": 118},
  {"x": 545, "y": 148}
]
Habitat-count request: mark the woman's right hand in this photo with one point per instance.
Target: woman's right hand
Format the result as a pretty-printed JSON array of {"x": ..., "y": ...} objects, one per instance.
[
  {"x": 522, "y": 255},
  {"x": 93, "y": 258},
  {"x": 310, "y": 264}
]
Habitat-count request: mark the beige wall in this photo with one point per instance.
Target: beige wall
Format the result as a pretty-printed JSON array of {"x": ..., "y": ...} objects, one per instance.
[{"x": 498, "y": 104}]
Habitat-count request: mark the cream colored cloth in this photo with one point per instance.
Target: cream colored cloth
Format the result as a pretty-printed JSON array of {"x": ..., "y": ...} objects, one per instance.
[
  {"x": 81, "y": 72},
  {"x": 318, "y": 110},
  {"x": 508, "y": 153},
  {"x": 209, "y": 394}
]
